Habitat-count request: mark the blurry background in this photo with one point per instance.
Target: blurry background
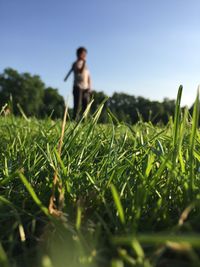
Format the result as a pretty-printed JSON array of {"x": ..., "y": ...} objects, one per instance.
[{"x": 139, "y": 47}]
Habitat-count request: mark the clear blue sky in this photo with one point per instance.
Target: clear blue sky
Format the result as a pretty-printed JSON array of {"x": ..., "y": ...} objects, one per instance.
[{"x": 141, "y": 47}]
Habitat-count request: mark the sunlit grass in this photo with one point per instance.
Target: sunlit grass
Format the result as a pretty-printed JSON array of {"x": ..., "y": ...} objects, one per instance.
[{"x": 126, "y": 191}]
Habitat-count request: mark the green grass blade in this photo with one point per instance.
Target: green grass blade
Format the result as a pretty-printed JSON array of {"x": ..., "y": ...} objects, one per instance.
[
  {"x": 176, "y": 126},
  {"x": 155, "y": 239},
  {"x": 3, "y": 258},
  {"x": 118, "y": 203},
  {"x": 78, "y": 217},
  {"x": 33, "y": 194},
  {"x": 195, "y": 121}
]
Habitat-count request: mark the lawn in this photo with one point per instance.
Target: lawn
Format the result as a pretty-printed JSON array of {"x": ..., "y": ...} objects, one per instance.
[{"x": 121, "y": 195}]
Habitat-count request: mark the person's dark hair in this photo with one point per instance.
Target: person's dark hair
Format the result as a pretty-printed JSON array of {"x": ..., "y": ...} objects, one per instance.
[{"x": 80, "y": 50}]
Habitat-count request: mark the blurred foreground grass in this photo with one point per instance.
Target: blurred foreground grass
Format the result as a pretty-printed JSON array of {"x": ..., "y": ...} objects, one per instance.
[{"x": 131, "y": 193}]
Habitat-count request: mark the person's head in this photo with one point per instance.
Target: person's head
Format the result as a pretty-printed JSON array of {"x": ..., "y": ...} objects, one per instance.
[{"x": 81, "y": 53}]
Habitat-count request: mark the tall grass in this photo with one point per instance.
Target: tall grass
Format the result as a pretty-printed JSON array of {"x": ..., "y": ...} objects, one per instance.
[{"x": 125, "y": 189}]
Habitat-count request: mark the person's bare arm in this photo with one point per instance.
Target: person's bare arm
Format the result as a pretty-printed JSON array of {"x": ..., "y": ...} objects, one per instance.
[
  {"x": 68, "y": 74},
  {"x": 89, "y": 83}
]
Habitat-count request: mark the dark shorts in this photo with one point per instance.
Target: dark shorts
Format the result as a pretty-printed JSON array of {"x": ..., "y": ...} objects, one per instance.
[{"x": 81, "y": 100}]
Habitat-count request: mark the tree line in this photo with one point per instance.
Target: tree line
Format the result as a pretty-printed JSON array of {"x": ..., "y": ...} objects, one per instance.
[{"x": 23, "y": 91}]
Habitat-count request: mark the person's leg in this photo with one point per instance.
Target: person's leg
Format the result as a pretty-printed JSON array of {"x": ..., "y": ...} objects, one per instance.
[
  {"x": 77, "y": 102},
  {"x": 85, "y": 99}
]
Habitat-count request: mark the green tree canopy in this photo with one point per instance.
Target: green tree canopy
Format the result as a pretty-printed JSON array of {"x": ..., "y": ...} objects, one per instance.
[
  {"x": 53, "y": 103},
  {"x": 35, "y": 99},
  {"x": 25, "y": 90},
  {"x": 30, "y": 93}
]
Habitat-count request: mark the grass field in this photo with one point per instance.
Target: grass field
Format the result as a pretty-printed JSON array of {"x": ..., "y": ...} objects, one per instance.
[{"x": 122, "y": 195}]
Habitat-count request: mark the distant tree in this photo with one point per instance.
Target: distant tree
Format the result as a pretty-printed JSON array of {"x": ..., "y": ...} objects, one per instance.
[
  {"x": 53, "y": 104},
  {"x": 24, "y": 89},
  {"x": 156, "y": 111},
  {"x": 168, "y": 109},
  {"x": 144, "y": 108},
  {"x": 36, "y": 100},
  {"x": 191, "y": 110},
  {"x": 130, "y": 109},
  {"x": 30, "y": 93},
  {"x": 124, "y": 107}
]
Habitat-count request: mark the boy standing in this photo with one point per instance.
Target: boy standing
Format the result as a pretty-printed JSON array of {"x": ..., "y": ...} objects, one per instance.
[{"x": 82, "y": 82}]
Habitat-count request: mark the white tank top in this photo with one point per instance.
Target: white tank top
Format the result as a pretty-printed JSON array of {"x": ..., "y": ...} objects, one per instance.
[{"x": 81, "y": 74}]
